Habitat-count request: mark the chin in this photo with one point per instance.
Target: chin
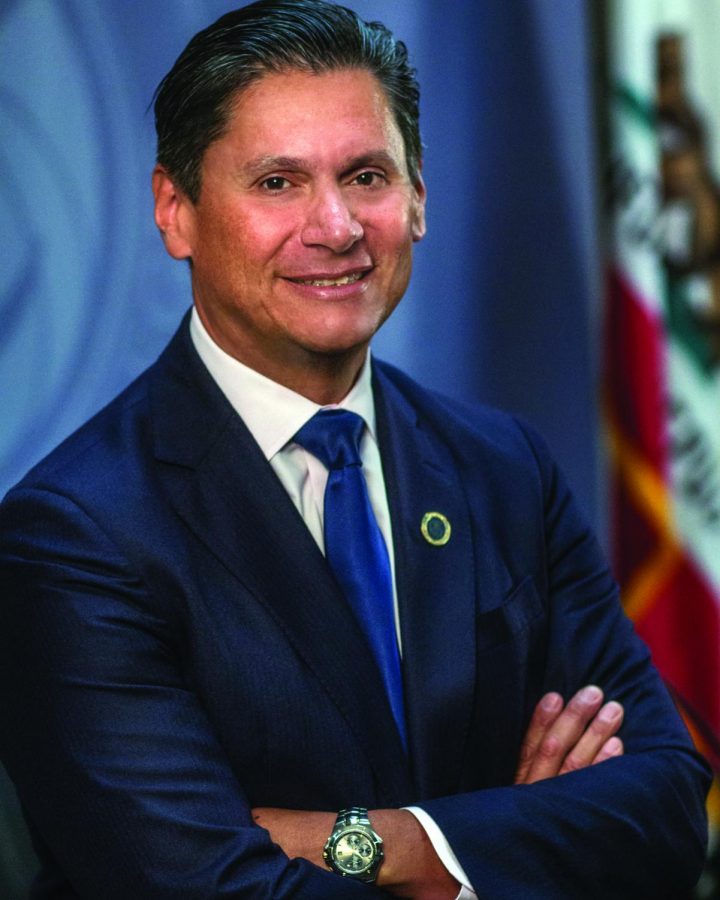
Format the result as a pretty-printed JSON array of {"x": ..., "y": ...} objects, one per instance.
[
  {"x": 330, "y": 349},
  {"x": 335, "y": 342}
]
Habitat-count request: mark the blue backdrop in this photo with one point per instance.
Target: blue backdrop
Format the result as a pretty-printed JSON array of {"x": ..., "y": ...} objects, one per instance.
[{"x": 504, "y": 301}]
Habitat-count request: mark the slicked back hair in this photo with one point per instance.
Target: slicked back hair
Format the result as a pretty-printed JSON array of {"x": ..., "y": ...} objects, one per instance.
[{"x": 194, "y": 100}]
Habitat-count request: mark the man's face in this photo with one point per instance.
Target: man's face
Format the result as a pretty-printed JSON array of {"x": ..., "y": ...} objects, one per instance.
[{"x": 301, "y": 238}]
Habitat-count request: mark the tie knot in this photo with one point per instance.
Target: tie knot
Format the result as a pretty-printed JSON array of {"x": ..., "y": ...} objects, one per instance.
[{"x": 333, "y": 436}]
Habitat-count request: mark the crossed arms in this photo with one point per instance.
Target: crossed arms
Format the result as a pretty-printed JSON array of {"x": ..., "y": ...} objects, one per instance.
[{"x": 560, "y": 738}]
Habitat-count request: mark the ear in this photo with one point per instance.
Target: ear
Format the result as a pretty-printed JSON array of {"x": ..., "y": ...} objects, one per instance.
[
  {"x": 174, "y": 214},
  {"x": 418, "y": 226}
]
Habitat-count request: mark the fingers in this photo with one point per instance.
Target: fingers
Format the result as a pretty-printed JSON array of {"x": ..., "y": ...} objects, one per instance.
[
  {"x": 545, "y": 714},
  {"x": 565, "y": 733},
  {"x": 562, "y": 740},
  {"x": 595, "y": 739}
]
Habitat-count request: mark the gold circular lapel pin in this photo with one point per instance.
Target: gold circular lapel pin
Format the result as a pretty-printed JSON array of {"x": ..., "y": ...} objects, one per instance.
[{"x": 435, "y": 528}]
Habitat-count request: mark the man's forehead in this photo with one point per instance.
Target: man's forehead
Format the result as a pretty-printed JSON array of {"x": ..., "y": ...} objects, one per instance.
[
  {"x": 295, "y": 115},
  {"x": 291, "y": 81}
]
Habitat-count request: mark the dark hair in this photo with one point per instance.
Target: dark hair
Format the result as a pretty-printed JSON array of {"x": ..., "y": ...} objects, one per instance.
[{"x": 194, "y": 100}]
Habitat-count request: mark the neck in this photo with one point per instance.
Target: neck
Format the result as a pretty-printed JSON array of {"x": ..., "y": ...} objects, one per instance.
[{"x": 324, "y": 380}]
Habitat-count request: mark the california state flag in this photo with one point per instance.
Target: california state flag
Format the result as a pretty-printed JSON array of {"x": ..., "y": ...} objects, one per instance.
[{"x": 663, "y": 340}]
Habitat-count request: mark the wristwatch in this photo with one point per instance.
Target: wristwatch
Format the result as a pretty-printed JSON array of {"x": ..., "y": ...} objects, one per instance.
[{"x": 354, "y": 849}]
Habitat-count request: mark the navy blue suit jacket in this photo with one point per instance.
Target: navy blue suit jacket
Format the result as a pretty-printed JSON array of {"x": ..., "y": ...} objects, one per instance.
[{"x": 174, "y": 650}]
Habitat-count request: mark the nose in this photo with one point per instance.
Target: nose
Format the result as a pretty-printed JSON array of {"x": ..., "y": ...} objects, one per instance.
[{"x": 330, "y": 222}]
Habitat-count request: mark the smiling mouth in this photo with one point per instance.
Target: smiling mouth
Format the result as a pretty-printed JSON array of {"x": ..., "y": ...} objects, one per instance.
[{"x": 330, "y": 282}]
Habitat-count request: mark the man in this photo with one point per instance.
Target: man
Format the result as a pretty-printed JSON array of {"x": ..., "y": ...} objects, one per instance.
[{"x": 191, "y": 694}]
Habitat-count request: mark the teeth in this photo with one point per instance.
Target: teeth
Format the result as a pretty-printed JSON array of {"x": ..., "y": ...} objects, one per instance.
[{"x": 332, "y": 282}]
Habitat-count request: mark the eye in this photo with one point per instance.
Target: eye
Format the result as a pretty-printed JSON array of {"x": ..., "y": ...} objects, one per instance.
[
  {"x": 275, "y": 183},
  {"x": 369, "y": 179}
]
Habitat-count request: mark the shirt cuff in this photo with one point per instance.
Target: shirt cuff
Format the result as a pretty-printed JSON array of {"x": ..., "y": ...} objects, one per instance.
[{"x": 444, "y": 852}]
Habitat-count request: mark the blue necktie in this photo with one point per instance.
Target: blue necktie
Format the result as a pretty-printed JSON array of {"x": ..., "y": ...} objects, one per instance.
[{"x": 354, "y": 545}]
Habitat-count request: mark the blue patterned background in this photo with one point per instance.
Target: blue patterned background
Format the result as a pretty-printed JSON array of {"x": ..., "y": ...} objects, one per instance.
[{"x": 504, "y": 303}]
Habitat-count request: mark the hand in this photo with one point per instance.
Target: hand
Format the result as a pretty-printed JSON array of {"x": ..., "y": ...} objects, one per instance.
[{"x": 563, "y": 738}]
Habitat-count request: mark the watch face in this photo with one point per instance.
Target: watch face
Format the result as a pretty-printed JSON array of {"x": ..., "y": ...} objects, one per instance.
[{"x": 354, "y": 852}]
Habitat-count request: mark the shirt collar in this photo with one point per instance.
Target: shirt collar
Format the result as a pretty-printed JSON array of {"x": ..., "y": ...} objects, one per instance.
[{"x": 272, "y": 412}]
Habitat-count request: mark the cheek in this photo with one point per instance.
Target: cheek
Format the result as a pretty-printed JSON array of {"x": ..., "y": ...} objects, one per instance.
[
  {"x": 391, "y": 239},
  {"x": 246, "y": 240},
  {"x": 263, "y": 236},
  {"x": 390, "y": 223}
]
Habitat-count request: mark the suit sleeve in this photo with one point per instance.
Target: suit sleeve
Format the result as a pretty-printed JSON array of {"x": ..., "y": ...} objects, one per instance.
[
  {"x": 116, "y": 763},
  {"x": 633, "y": 827}
]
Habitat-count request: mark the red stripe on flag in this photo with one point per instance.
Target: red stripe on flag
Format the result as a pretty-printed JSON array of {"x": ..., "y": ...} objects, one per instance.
[
  {"x": 682, "y": 628},
  {"x": 635, "y": 369}
]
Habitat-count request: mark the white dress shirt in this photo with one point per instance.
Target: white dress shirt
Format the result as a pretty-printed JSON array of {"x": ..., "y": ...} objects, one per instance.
[{"x": 274, "y": 414}]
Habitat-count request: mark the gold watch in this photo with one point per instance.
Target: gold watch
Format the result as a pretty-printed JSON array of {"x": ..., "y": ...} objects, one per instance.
[{"x": 354, "y": 849}]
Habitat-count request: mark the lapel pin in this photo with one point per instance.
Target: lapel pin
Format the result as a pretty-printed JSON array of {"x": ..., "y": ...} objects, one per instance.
[{"x": 435, "y": 528}]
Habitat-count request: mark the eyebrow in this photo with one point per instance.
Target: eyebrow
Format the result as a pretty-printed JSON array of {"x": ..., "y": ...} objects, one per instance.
[
  {"x": 374, "y": 158},
  {"x": 264, "y": 164}
]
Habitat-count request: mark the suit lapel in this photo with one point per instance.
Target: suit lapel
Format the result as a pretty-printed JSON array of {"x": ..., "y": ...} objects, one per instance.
[
  {"x": 228, "y": 495},
  {"x": 436, "y": 593}
]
